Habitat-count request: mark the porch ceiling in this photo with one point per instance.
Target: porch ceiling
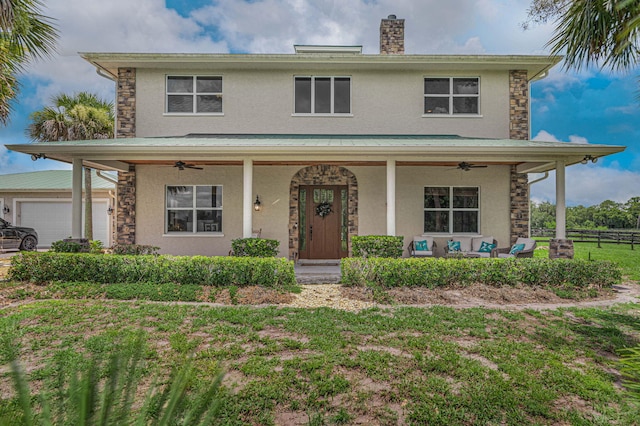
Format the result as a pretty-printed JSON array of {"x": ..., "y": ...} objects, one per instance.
[{"x": 116, "y": 154}]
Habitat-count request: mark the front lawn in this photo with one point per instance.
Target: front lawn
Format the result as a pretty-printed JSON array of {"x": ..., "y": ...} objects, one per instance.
[
  {"x": 629, "y": 260},
  {"x": 322, "y": 366}
]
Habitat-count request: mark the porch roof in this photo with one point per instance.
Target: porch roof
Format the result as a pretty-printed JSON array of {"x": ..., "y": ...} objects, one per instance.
[{"x": 116, "y": 154}]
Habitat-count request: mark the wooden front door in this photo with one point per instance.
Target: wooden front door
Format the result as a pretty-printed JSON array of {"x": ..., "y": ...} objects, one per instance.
[{"x": 323, "y": 222}]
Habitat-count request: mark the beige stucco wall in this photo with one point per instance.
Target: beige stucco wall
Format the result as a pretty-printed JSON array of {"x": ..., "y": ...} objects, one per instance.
[
  {"x": 382, "y": 103},
  {"x": 271, "y": 183}
]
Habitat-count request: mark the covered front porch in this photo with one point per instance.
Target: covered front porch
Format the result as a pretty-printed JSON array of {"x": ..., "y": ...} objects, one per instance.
[{"x": 382, "y": 180}]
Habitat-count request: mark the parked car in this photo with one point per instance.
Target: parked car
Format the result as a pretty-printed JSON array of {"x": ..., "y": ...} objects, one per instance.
[{"x": 17, "y": 237}]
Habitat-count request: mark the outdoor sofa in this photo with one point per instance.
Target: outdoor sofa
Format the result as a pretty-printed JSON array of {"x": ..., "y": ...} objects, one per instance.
[{"x": 464, "y": 246}]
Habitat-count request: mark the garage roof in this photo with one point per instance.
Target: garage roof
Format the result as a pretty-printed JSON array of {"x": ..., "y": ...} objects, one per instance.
[{"x": 47, "y": 180}]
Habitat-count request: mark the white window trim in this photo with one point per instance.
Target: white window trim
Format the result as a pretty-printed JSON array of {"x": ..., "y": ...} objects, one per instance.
[
  {"x": 313, "y": 97},
  {"x": 451, "y": 95},
  {"x": 194, "y": 209},
  {"x": 451, "y": 209},
  {"x": 194, "y": 95}
]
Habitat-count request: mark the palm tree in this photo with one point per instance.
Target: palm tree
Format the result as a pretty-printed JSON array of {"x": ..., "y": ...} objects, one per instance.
[
  {"x": 25, "y": 34},
  {"x": 603, "y": 32},
  {"x": 77, "y": 117}
]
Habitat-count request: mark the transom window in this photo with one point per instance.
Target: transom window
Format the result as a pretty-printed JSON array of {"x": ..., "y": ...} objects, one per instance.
[
  {"x": 451, "y": 95},
  {"x": 451, "y": 209},
  {"x": 322, "y": 95},
  {"x": 194, "y": 209},
  {"x": 194, "y": 94}
]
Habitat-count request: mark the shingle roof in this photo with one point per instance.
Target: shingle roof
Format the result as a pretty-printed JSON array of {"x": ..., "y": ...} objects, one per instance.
[{"x": 47, "y": 180}]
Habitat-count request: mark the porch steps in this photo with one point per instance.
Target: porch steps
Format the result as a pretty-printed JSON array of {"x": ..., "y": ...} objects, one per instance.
[{"x": 327, "y": 272}]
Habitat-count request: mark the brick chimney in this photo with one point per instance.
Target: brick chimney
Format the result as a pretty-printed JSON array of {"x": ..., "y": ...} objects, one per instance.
[{"x": 392, "y": 36}]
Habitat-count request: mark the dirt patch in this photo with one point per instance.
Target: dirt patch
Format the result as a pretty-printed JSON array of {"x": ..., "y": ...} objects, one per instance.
[{"x": 495, "y": 297}]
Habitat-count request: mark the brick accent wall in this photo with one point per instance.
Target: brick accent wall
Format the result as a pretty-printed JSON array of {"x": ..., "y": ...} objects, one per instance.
[
  {"x": 322, "y": 174},
  {"x": 126, "y": 128},
  {"x": 392, "y": 36},
  {"x": 126, "y": 218}
]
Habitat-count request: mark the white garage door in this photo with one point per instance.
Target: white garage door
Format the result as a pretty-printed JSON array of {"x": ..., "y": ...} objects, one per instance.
[{"x": 52, "y": 220}]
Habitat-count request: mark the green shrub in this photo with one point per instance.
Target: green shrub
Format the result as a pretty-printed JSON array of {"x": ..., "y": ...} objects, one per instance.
[
  {"x": 438, "y": 272},
  {"x": 630, "y": 369},
  {"x": 377, "y": 246},
  {"x": 255, "y": 247},
  {"x": 115, "y": 390},
  {"x": 134, "y": 249},
  {"x": 95, "y": 246},
  {"x": 63, "y": 246},
  {"x": 197, "y": 270}
]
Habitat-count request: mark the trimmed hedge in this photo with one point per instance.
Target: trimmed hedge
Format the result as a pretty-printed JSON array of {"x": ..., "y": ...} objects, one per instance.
[
  {"x": 255, "y": 247},
  {"x": 199, "y": 270},
  {"x": 437, "y": 272},
  {"x": 134, "y": 249},
  {"x": 377, "y": 246}
]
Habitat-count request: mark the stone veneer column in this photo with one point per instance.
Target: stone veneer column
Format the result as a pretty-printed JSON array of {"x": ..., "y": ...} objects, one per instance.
[
  {"x": 519, "y": 205},
  {"x": 392, "y": 36},
  {"x": 126, "y": 128},
  {"x": 126, "y": 217},
  {"x": 126, "y": 103},
  {"x": 519, "y": 129}
]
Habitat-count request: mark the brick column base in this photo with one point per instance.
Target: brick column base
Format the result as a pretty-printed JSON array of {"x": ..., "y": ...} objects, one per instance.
[{"x": 560, "y": 249}]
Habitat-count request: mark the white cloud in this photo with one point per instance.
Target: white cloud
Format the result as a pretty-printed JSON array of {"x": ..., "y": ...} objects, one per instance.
[
  {"x": 113, "y": 26},
  {"x": 545, "y": 136},
  {"x": 577, "y": 139},
  {"x": 590, "y": 185}
]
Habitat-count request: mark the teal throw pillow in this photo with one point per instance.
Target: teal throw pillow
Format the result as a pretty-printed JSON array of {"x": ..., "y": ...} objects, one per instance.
[
  {"x": 486, "y": 247},
  {"x": 421, "y": 245},
  {"x": 453, "y": 245},
  {"x": 516, "y": 248}
]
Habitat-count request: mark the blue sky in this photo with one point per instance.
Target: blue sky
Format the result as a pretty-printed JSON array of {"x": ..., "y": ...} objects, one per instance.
[{"x": 585, "y": 107}]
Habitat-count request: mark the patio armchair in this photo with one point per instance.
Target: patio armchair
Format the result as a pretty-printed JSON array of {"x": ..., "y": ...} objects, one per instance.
[
  {"x": 421, "y": 246},
  {"x": 522, "y": 248}
]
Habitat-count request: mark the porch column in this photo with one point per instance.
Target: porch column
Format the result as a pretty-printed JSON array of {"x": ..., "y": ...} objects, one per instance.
[
  {"x": 391, "y": 197},
  {"x": 247, "y": 206},
  {"x": 76, "y": 199},
  {"x": 560, "y": 247},
  {"x": 561, "y": 217}
]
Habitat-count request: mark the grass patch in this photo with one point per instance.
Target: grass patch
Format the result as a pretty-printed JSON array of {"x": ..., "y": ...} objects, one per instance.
[{"x": 322, "y": 366}]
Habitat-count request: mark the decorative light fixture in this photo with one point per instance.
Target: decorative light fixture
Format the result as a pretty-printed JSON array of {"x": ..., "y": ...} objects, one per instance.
[
  {"x": 257, "y": 205},
  {"x": 35, "y": 157},
  {"x": 588, "y": 158},
  {"x": 6, "y": 210},
  {"x": 109, "y": 210}
]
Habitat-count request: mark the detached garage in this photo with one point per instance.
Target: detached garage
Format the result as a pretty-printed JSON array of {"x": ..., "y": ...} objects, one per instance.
[{"x": 42, "y": 200}]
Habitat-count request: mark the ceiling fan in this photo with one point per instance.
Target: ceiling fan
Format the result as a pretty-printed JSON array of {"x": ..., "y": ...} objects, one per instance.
[
  {"x": 468, "y": 166},
  {"x": 181, "y": 165}
]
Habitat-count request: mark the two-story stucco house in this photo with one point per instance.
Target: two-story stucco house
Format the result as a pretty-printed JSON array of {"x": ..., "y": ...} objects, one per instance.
[{"x": 330, "y": 143}]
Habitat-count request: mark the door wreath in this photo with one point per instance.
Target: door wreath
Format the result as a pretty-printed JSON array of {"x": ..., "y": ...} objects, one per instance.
[{"x": 323, "y": 209}]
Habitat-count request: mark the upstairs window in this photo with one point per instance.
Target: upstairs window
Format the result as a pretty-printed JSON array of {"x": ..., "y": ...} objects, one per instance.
[
  {"x": 194, "y": 94},
  {"x": 322, "y": 95},
  {"x": 451, "y": 209},
  {"x": 451, "y": 96}
]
